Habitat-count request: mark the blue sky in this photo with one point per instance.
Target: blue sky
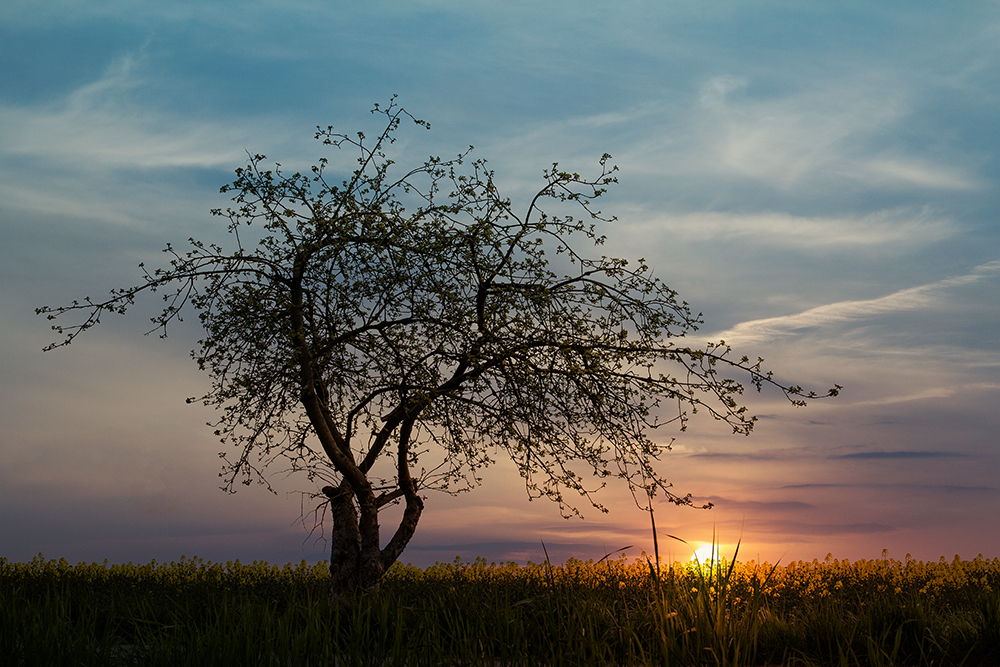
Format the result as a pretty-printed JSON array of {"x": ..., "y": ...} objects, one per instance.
[{"x": 819, "y": 179}]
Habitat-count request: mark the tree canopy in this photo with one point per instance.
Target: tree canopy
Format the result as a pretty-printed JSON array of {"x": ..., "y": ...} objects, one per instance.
[{"x": 393, "y": 331}]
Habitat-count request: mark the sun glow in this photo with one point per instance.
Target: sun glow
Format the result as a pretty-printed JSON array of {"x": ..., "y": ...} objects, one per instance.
[{"x": 705, "y": 553}]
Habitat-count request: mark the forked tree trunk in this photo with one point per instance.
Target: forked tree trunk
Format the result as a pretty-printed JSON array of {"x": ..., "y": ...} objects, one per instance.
[{"x": 358, "y": 564}]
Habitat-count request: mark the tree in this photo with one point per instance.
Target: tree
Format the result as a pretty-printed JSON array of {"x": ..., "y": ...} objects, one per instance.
[{"x": 392, "y": 333}]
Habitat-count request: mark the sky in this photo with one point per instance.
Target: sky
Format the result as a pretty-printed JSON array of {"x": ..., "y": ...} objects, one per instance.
[{"x": 820, "y": 180}]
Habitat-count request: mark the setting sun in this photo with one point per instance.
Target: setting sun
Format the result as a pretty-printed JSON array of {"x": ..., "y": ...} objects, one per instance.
[{"x": 705, "y": 553}]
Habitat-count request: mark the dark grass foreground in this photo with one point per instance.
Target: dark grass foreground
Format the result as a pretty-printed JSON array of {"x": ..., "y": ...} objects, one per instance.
[{"x": 880, "y": 612}]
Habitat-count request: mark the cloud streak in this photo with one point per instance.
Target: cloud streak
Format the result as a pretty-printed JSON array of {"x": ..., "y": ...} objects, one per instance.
[
  {"x": 797, "y": 528},
  {"x": 100, "y": 126},
  {"x": 819, "y": 134},
  {"x": 803, "y": 141},
  {"x": 902, "y": 455},
  {"x": 897, "y": 230},
  {"x": 829, "y": 315}
]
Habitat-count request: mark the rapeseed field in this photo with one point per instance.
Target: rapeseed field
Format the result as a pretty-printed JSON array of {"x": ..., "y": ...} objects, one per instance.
[{"x": 877, "y": 612}]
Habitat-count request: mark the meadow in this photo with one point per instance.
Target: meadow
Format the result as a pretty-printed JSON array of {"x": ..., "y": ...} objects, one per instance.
[{"x": 612, "y": 612}]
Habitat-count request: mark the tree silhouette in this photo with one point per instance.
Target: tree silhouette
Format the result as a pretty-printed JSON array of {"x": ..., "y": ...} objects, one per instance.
[{"x": 393, "y": 332}]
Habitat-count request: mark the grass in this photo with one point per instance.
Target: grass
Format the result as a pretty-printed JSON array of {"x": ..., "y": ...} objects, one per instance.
[{"x": 614, "y": 612}]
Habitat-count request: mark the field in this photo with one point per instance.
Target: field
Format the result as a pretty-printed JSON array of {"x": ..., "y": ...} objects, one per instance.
[{"x": 614, "y": 612}]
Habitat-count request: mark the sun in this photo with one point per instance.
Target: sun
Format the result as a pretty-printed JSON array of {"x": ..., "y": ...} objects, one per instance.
[{"x": 706, "y": 553}]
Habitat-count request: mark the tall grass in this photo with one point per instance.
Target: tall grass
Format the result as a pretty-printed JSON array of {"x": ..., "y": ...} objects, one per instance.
[{"x": 613, "y": 612}]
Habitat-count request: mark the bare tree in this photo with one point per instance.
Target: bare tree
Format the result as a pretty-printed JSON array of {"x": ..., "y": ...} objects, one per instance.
[{"x": 393, "y": 332}]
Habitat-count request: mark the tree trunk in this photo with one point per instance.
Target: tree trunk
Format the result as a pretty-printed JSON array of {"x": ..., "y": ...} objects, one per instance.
[
  {"x": 355, "y": 563},
  {"x": 358, "y": 564},
  {"x": 345, "y": 543},
  {"x": 370, "y": 568}
]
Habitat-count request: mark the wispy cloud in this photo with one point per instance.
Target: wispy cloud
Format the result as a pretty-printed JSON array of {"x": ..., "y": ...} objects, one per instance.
[
  {"x": 785, "y": 140},
  {"x": 938, "y": 392},
  {"x": 844, "y": 133},
  {"x": 797, "y": 528},
  {"x": 897, "y": 229},
  {"x": 927, "y": 488},
  {"x": 901, "y": 455},
  {"x": 817, "y": 134},
  {"x": 916, "y": 172},
  {"x": 102, "y": 125},
  {"x": 760, "y": 506},
  {"x": 110, "y": 150},
  {"x": 914, "y": 298},
  {"x": 750, "y": 456}
]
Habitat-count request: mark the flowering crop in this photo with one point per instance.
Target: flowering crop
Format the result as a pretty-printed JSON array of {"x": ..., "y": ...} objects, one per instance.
[{"x": 616, "y": 611}]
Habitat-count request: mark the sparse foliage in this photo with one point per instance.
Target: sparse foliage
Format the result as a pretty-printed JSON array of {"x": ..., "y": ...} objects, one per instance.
[{"x": 393, "y": 332}]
